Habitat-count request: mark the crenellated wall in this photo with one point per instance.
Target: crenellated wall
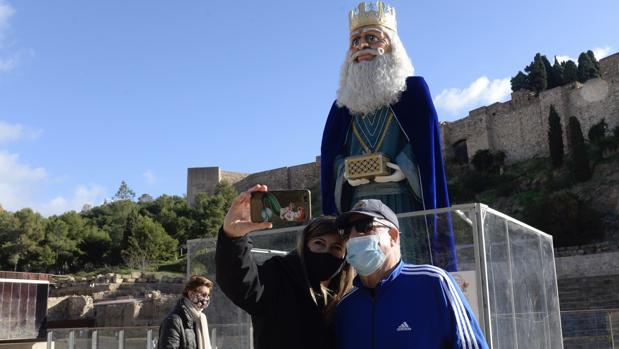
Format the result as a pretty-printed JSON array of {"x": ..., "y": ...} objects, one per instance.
[{"x": 519, "y": 127}]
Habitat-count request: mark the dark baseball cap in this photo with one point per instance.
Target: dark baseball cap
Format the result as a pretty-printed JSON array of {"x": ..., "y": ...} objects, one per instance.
[{"x": 368, "y": 207}]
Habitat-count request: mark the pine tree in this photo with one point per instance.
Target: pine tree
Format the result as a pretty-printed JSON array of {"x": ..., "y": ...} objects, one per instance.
[
  {"x": 578, "y": 152},
  {"x": 555, "y": 137},
  {"x": 537, "y": 74},
  {"x": 555, "y": 75},
  {"x": 586, "y": 68},
  {"x": 520, "y": 82},
  {"x": 598, "y": 132},
  {"x": 148, "y": 243},
  {"x": 548, "y": 68},
  {"x": 570, "y": 72},
  {"x": 124, "y": 192},
  {"x": 596, "y": 64}
]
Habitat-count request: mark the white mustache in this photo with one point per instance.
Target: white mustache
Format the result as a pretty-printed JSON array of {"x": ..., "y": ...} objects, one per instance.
[{"x": 373, "y": 51}]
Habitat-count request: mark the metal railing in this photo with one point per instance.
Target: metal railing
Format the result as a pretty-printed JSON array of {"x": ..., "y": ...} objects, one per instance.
[
  {"x": 139, "y": 337},
  {"x": 103, "y": 338}
]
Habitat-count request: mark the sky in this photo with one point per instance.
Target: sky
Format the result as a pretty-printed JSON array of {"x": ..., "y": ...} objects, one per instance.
[{"x": 96, "y": 92}]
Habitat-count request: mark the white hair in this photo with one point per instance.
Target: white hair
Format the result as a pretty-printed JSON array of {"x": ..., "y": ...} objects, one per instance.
[{"x": 369, "y": 85}]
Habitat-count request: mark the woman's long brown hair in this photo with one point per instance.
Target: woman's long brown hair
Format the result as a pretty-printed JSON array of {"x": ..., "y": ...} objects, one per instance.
[{"x": 341, "y": 283}]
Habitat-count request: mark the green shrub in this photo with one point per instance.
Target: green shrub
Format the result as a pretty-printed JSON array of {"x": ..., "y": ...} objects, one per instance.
[{"x": 569, "y": 220}]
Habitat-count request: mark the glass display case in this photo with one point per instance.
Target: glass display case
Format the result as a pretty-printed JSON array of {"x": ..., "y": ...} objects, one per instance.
[{"x": 505, "y": 268}]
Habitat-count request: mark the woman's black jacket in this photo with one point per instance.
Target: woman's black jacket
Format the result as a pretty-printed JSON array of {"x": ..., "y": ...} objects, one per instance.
[
  {"x": 177, "y": 329},
  {"x": 275, "y": 294}
]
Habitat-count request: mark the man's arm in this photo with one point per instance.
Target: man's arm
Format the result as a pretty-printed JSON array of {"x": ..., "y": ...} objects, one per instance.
[{"x": 465, "y": 327}]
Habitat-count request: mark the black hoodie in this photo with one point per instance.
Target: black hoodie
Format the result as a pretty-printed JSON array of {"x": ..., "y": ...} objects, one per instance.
[{"x": 275, "y": 294}]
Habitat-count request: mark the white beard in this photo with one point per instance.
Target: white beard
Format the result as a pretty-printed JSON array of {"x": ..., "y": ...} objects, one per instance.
[{"x": 369, "y": 85}]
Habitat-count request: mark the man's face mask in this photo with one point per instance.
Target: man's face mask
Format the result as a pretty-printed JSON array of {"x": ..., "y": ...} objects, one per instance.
[{"x": 365, "y": 254}]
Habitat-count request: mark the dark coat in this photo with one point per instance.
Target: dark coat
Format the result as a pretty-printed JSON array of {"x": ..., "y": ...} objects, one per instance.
[
  {"x": 275, "y": 294},
  {"x": 177, "y": 329}
]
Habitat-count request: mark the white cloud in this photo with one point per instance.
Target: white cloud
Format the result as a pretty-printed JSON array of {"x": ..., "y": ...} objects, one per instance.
[
  {"x": 21, "y": 185},
  {"x": 7, "y": 64},
  {"x": 455, "y": 102},
  {"x": 92, "y": 195},
  {"x": 562, "y": 59},
  {"x": 14, "y": 132},
  {"x": 6, "y": 12},
  {"x": 17, "y": 181},
  {"x": 149, "y": 175},
  {"x": 601, "y": 52}
]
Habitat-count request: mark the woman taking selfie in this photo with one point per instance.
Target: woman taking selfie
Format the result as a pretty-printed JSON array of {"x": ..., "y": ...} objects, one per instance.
[
  {"x": 185, "y": 327},
  {"x": 290, "y": 298}
]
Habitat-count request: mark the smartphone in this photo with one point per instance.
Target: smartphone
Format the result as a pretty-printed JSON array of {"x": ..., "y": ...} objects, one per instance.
[{"x": 280, "y": 206}]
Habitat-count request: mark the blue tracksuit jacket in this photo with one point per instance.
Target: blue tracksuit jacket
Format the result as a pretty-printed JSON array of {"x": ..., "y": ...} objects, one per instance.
[{"x": 416, "y": 306}]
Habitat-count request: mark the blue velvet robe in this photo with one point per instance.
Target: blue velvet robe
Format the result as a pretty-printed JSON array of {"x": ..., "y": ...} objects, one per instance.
[{"x": 417, "y": 117}]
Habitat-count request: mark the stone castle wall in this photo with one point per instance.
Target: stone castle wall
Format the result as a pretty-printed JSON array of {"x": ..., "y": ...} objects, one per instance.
[
  {"x": 204, "y": 179},
  {"x": 302, "y": 176},
  {"x": 519, "y": 127}
]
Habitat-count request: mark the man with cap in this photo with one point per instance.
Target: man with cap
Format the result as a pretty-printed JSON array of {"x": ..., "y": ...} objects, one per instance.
[{"x": 394, "y": 304}]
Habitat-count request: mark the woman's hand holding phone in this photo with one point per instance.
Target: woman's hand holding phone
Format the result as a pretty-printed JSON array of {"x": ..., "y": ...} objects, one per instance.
[{"x": 237, "y": 222}]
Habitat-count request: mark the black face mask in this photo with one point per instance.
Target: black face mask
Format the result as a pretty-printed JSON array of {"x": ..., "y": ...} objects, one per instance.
[{"x": 321, "y": 266}]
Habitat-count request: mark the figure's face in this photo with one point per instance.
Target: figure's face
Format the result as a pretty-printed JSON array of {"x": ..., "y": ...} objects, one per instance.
[
  {"x": 329, "y": 243},
  {"x": 367, "y": 41}
]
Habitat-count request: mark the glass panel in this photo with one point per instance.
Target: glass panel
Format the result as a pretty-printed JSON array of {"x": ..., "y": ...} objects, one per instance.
[
  {"x": 531, "y": 311},
  {"x": 614, "y": 326},
  {"x": 30, "y": 312},
  {"x": 82, "y": 338},
  {"x": 14, "y": 311},
  {"x": 5, "y": 294},
  {"x": 587, "y": 329},
  {"x": 107, "y": 339},
  {"x": 61, "y": 339},
  {"x": 501, "y": 288},
  {"x": 550, "y": 292},
  {"x": 135, "y": 339},
  {"x": 429, "y": 239}
]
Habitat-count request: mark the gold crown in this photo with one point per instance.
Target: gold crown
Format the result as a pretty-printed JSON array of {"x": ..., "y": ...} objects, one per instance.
[{"x": 377, "y": 13}]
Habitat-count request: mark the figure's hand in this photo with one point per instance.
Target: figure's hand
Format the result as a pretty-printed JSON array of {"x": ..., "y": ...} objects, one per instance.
[
  {"x": 238, "y": 222},
  {"x": 357, "y": 182},
  {"x": 396, "y": 176}
]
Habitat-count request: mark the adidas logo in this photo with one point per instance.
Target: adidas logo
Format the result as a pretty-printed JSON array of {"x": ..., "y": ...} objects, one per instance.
[{"x": 404, "y": 327}]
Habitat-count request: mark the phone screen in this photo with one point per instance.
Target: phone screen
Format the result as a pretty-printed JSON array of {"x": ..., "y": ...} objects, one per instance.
[{"x": 280, "y": 206}]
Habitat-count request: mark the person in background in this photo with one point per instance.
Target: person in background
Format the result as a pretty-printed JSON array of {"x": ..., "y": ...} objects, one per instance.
[
  {"x": 290, "y": 298},
  {"x": 186, "y": 327}
]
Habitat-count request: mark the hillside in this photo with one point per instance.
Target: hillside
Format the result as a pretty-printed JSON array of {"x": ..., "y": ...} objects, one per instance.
[{"x": 546, "y": 198}]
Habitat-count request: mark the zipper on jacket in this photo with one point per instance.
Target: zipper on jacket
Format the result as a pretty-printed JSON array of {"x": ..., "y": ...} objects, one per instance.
[{"x": 373, "y": 294}]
